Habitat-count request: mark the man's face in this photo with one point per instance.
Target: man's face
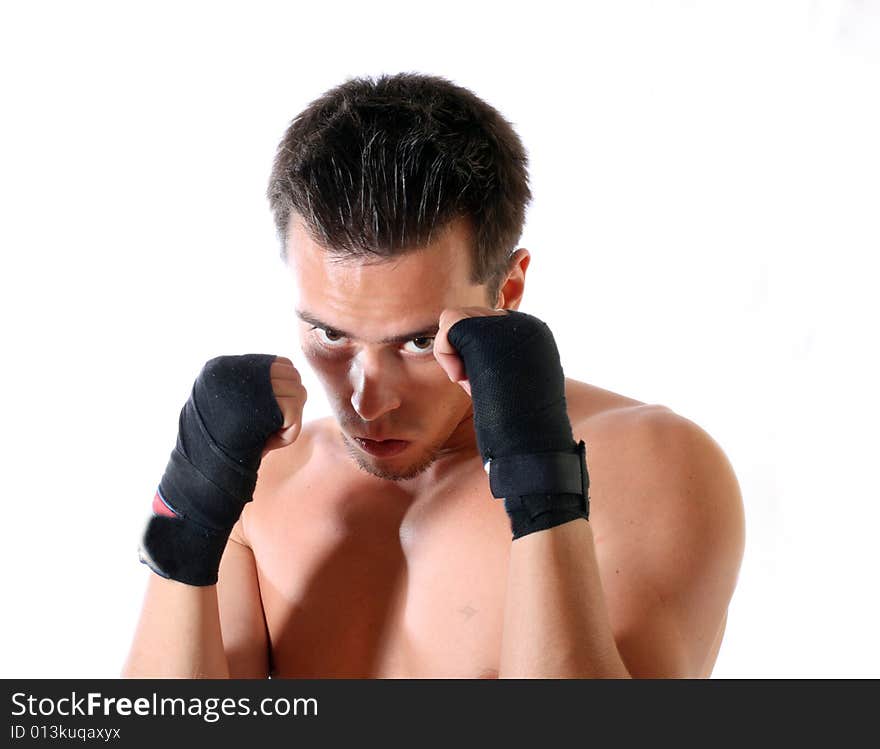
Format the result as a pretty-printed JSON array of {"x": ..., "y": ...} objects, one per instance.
[{"x": 367, "y": 329}]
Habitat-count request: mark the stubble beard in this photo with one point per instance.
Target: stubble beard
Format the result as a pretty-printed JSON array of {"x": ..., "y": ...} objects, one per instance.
[{"x": 411, "y": 471}]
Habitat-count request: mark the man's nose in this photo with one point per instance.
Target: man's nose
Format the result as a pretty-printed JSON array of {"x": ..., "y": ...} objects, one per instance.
[{"x": 374, "y": 392}]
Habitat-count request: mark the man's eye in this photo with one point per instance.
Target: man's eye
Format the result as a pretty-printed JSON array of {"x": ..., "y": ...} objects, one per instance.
[
  {"x": 328, "y": 337},
  {"x": 420, "y": 345}
]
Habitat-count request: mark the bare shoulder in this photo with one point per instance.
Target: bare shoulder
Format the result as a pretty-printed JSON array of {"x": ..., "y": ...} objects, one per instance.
[
  {"x": 668, "y": 523},
  {"x": 585, "y": 401},
  {"x": 648, "y": 461},
  {"x": 281, "y": 464},
  {"x": 281, "y": 468}
]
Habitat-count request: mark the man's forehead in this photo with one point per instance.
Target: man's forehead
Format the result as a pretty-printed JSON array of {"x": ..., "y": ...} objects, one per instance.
[
  {"x": 405, "y": 285},
  {"x": 381, "y": 299},
  {"x": 368, "y": 304}
]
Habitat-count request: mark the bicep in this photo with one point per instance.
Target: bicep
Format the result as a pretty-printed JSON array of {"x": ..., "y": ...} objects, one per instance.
[{"x": 242, "y": 622}]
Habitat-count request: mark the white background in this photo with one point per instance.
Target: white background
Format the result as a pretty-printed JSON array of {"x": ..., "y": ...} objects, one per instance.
[{"x": 704, "y": 235}]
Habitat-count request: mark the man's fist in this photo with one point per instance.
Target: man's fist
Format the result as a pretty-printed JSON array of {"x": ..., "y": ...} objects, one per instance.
[
  {"x": 511, "y": 366},
  {"x": 445, "y": 353},
  {"x": 240, "y": 407},
  {"x": 291, "y": 396}
]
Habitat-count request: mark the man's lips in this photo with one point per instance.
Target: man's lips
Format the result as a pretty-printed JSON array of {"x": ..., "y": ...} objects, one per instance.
[{"x": 381, "y": 448}]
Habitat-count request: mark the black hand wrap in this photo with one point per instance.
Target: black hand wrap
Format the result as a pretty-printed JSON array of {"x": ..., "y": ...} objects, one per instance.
[
  {"x": 212, "y": 472},
  {"x": 521, "y": 420}
]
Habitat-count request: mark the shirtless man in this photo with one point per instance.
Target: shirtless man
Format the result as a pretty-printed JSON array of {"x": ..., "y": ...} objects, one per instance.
[{"x": 373, "y": 545}]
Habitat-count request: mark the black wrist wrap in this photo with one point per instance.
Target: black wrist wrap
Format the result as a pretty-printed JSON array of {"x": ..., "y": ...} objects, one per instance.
[
  {"x": 212, "y": 471},
  {"x": 521, "y": 419}
]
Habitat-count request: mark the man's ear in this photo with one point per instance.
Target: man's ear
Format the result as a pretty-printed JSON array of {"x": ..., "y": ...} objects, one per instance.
[{"x": 511, "y": 291}]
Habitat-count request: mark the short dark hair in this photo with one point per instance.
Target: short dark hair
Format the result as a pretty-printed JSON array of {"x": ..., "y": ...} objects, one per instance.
[{"x": 376, "y": 167}]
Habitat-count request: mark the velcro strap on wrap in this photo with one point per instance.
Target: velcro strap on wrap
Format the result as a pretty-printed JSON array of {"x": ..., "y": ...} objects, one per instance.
[{"x": 540, "y": 473}]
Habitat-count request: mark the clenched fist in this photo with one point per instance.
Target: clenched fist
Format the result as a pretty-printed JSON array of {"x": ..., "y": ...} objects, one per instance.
[
  {"x": 291, "y": 397},
  {"x": 240, "y": 408}
]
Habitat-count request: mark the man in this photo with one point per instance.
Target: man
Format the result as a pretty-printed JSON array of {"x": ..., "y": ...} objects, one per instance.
[{"x": 375, "y": 544}]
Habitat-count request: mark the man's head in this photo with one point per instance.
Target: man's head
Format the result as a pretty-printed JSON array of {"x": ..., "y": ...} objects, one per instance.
[{"x": 395, "y": 199}]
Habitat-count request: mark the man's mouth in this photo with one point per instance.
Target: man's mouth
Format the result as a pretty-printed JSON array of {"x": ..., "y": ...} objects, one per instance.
[{"x": 381, "y": 448}]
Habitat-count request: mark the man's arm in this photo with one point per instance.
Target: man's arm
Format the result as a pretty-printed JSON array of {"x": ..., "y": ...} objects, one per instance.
[
  {"x": 670, "y": 566},
  {"x": 242, "y": 619},
  {"x": 178, "y": 633},
  {"x": 240, "y": 409},
  {"x": 210, "y": 631},
  {"x": 556, "y": 623}
]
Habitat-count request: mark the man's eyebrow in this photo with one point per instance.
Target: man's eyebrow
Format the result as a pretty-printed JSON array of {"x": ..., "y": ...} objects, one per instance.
[{"x": 428, "y": 332}]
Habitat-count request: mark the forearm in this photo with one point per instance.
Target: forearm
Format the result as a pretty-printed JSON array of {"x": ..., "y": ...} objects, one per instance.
[
  {"x": 178, "y": 634},
  {"x": 556, "y": 623}
]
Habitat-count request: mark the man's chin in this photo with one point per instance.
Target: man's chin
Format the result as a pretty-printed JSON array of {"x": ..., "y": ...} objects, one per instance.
[{"x": 385, "y": 468}]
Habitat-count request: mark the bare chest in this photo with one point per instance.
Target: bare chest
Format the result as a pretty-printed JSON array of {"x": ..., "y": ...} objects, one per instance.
[{"x": 372, "y": 586}]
